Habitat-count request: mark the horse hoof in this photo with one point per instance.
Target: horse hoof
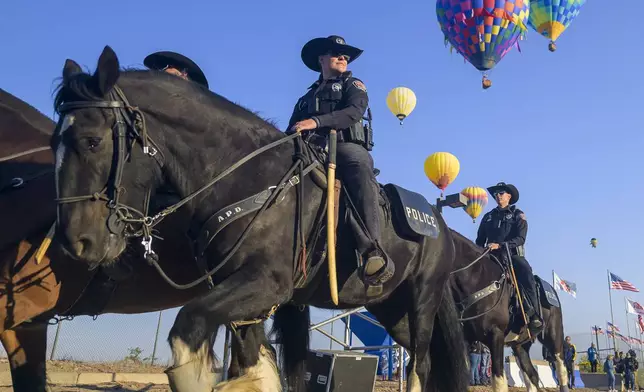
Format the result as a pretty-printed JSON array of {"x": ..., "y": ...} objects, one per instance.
[
  {"x": 191, "y": 377},
  {"x": 564, "y": 388}
]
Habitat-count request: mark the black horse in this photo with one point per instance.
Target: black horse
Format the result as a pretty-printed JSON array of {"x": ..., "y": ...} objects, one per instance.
[
  {"x": 481, "y": 286},
  {"x": 484, "y": 292},
  {"x": 258, "y": 227}
]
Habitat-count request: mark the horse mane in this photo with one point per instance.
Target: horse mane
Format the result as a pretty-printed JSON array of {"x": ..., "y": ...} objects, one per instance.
[
  {"x": 466, "y": 244},
  {"x": 26, "y": 113},
  {"x": 80, "y": 87}
]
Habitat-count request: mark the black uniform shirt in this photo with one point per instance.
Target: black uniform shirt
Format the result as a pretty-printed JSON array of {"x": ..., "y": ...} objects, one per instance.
[
  {"x": 342, "y": 102},
  {"x": 503, "y": 225}
]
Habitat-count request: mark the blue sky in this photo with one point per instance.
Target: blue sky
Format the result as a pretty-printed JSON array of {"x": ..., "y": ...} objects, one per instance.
[{"x": 564, "y": 127}]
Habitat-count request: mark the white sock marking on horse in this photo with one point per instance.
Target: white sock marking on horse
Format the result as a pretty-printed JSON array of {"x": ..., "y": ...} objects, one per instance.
[
  {"x": 263, "y": 376},
  {"x": 181, "y": 354},
  {"x": 68, "y": 121},
  {"x": 499, "y": 383},
  {"x": 562, "y": 373},
  {"x": 413, "y": 382},
  {"x": 530, "y": 387}
]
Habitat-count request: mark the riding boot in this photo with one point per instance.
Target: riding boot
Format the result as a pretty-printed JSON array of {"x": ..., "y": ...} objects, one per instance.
[
  {"x": 528, "y": 286},
  {"x": 356, "y": 167},
  {"x": 535, "y": 321}
]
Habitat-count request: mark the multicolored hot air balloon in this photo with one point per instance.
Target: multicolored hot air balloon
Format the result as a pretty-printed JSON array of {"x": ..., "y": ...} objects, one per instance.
[
  {"x": 483, "y": 31},
  {"x": 551, "y": 17},
  {"x": 593, "y": 242},
  {"x": 401, "y": 101},
  {"x": 441, "y": 168},
  {"x": 477, "y": 200}
]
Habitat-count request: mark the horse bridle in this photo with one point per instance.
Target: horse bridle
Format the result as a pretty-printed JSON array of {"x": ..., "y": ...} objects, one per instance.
[{"x": 129, "y": 127}]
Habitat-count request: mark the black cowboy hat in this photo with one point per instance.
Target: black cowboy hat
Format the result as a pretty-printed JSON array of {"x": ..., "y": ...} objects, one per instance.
[
  {"x": 320, "y": 46},
  {"x": 160, "y": 60},
  {"x": 511, "y": 189}
]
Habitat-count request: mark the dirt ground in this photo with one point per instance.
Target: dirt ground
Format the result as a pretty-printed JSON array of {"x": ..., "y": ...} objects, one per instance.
[
  {"x": 383, "y": 386},
  {"x": 134, "y": 367}
]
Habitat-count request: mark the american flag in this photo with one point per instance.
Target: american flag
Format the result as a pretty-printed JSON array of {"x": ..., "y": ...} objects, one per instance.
[
  {"x": 612, "y": 327},
  {"x": 618, "y": 283},
  {"x": 640, "y": 322},
  {"x": 598, "y": 330}
]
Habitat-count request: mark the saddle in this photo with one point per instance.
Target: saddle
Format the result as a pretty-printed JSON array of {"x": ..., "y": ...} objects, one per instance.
[{"x": 409, "y": 212}]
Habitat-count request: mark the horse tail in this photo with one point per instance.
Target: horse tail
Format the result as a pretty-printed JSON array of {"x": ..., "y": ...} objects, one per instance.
[
  {"x": 291, "y": 326},
  {"x": 448, "y": 349}
]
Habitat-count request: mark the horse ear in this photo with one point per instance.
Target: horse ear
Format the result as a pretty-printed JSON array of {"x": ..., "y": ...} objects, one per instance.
[
  {"x": 71, "y": 67},
  {"x": 107, "y": 71}
]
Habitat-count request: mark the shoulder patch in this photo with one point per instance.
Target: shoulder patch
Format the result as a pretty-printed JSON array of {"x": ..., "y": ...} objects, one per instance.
[
  {"x": 522, "y": 216},
  {"x": 359, "y": 85}
]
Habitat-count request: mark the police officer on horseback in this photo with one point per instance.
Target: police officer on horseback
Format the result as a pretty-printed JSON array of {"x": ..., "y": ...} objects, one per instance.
[
  {"x": 507, "y": 224},
  {"x": 176, "y": 64},
  {"x": 338, "y": 100}
]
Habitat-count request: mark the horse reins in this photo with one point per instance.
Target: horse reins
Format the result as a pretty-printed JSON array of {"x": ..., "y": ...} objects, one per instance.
[
  {"x": 498, "y": 285},
  {"x": 129, "y": 126}
]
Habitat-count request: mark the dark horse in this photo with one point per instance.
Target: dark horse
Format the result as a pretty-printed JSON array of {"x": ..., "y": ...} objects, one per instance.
[
  {"x": 487, "y": 318},
  {"x": 31, "y": 293},
  {"x": 484, "y": 293},
  {"x": 255, "y": 200}
]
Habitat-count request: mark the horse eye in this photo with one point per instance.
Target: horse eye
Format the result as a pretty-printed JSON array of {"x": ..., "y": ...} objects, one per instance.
[{"x": 93, "y": 142}]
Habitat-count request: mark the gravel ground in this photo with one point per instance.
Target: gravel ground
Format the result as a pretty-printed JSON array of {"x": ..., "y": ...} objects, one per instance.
[
  {"x": 382, "y": 386},
  {"x": 133, "y": 367}
]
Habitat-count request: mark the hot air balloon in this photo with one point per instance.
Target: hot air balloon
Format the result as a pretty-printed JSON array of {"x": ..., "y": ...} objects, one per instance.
[
  {"x": 477, "y": 200},
  {"x": 401, "y": 101},
  {"x": 593, "y": 242},
  {"x": 483, "y": 31},
  {"x": 550, "y": 18},
  {"x": 442, "y": 168}
]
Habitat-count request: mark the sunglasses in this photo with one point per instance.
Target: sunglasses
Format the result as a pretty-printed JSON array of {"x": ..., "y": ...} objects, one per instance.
[
  {"x": 340, "y": 55},
  {"x": 500, "y": 193}
]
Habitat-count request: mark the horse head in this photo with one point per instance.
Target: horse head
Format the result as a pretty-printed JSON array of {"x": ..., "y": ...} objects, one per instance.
[
  {"x": 124, "y": 134},
  {"x": 103, "y": 181}
]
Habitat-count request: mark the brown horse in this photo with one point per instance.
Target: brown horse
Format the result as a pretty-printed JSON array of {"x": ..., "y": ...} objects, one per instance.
[{"x": 32, "y": 293}]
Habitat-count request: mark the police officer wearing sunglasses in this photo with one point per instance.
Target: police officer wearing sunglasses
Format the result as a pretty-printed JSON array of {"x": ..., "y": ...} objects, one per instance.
[
  {"x": 338, "y": 100},
  {"x": 507, "y": 224},
  {"x": 176, "y": 64}
]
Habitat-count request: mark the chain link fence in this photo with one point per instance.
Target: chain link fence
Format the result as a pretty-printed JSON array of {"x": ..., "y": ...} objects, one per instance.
[{"x": 143, "y": 337}]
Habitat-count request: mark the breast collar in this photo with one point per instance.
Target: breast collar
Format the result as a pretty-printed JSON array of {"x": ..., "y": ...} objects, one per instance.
[{"x": 345, "y": 75}]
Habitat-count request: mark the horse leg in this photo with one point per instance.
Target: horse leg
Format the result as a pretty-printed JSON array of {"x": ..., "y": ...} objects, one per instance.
[
  {"x": 235, "y": 298},
  {"x": 426, "y": 303},
  {"x": 553, "y": 338},
  {"x": 26, "y": 347},
  {"x": 529, "y": 373},
  {"x": 250, "y": 348},
  {"x": 495, "y": 343}
]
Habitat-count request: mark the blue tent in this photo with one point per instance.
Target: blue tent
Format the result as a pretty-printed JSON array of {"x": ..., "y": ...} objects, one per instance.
[{"x": 373, "y": 335}]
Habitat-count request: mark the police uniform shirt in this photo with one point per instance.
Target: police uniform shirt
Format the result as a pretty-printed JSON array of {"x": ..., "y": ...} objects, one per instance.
[
  {"x": 503, "y": 225},
  {"x": 341, "y": 102}
]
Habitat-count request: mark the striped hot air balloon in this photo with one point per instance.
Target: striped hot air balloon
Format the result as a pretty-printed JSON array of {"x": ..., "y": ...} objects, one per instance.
[
  {"x": 442, "y": 168},
  {"x": 476, "y": 201}
]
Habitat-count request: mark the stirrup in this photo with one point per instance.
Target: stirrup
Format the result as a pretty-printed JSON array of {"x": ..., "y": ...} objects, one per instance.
[{"x": 381, "y": 276}]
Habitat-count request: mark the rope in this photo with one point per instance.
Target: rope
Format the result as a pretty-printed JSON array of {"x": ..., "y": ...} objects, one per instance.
[{"x": 24, "y": 153}]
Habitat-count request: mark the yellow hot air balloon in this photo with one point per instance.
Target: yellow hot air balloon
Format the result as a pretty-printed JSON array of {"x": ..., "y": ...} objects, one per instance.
[
  {"x": 593, "y": 242},
  {"x": 442, "y": 168},
  {"x": 401, "y": 101},
  {"x": 476, "y": 201}
]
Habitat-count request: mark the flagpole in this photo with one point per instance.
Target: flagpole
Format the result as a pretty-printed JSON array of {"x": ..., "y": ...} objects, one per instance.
[
  {"x": 628, "y": 327},
  {"x": 610, "y": 301},
  {"x": 597, "y": 340},
  {"x": 639, "y": 334}
]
